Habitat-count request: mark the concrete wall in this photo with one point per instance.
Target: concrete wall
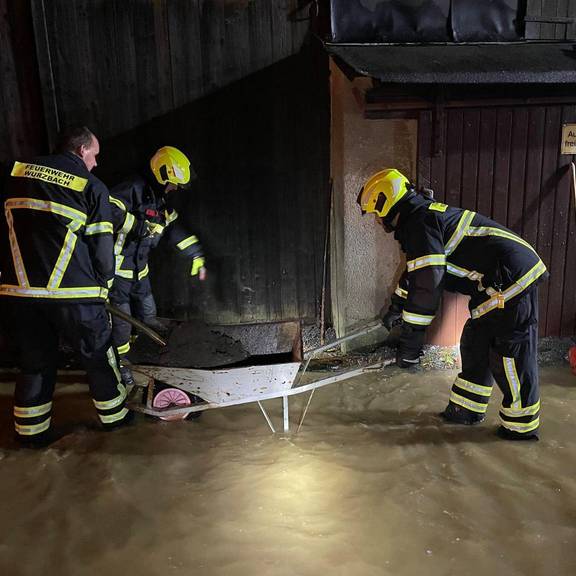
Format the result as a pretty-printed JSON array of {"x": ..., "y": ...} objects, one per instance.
[{"x": 365, "y": 261}]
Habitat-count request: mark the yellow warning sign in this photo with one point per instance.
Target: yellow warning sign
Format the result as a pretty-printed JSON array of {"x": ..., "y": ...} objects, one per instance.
[{"x": 569, "y": 139}]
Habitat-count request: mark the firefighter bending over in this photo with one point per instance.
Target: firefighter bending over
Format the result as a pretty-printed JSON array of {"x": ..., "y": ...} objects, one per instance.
[
  {"x": 56, "y": 264},
  {"x": 143, "y": 213},
  {"x": 461, "y": 251}
]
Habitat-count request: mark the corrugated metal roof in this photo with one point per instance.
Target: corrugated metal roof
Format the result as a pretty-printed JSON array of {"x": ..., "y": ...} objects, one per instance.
[{"x": 511, "y": 63}]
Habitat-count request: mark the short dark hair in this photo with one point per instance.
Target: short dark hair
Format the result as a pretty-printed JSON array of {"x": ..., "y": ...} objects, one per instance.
[{"x": 72, "y": 138}]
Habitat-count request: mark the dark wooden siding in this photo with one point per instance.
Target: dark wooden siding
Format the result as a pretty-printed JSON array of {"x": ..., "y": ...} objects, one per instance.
[
  {"x": 505, "y": 162},
  {"x": 114, "y": 64},
  {"x": 261, "y": 150},
  {"x": 21, "y": 121},
  {"x": 555, "y": 11}
]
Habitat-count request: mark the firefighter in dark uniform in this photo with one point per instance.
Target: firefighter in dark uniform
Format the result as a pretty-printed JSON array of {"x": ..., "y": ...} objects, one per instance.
[
  {"x": 57, "y": 264},
  {"x": 142, "y": 214},
  {"x": 461, "y": 251}
]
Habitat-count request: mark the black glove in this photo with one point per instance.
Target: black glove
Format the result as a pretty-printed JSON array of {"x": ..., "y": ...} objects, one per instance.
[
  {"x": 391, "y": 317},
  {"x": 409, "y": 347}
]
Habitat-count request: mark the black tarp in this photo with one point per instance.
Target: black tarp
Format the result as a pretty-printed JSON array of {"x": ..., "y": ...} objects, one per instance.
[{"x": 402, "y": 21}]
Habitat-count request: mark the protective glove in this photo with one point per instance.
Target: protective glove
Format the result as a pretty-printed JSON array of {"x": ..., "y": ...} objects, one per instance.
[
  {"x": 391, "y": 317},
  {"x": 154, "y": 228},
  {"x": 410, "y": 347},
  {"x": 198, "y": 268}
]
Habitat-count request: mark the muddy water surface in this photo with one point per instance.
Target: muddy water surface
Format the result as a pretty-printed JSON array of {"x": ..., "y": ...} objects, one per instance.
[{"x": 374, "y": 484}]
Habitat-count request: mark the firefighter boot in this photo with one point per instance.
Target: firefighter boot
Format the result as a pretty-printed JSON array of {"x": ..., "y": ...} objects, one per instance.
[
  {"x": 506, "y": 434},
  {"x": 458, "y": 415}
]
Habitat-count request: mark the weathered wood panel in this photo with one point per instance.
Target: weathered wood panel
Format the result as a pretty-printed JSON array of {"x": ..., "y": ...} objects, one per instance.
[
  {"x": 509, "y": 167},
  {"x": 552, "y": 15},
  {"x": 260, "y": 148},
  {"x": 21, "y": 124},
  {"x": 118, "y": 63}
]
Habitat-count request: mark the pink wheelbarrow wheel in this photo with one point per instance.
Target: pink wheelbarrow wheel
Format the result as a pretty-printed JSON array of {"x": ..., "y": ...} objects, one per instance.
[{"x": 171, "y": 398}]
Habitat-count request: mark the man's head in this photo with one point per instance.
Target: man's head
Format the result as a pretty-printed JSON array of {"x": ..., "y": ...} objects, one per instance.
[
  {"x": 383, "y": 192},
  {"x": 80, "y": 141},
  {"x": 171, "y": 168}
]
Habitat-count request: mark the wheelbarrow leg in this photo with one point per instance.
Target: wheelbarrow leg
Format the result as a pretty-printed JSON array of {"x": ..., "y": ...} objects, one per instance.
[
  {"x": 267, "y": 418},
  {"x": 286, "y": 414}
]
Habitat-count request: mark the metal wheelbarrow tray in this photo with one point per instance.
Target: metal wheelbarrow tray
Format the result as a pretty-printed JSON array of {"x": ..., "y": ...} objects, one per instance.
[{"x": 185, "y": 391}]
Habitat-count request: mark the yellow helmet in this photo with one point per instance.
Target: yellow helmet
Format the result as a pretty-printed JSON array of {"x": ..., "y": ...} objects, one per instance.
[
  {"x": 382, "y": 191},
  {"x": 170, "y": 165}
]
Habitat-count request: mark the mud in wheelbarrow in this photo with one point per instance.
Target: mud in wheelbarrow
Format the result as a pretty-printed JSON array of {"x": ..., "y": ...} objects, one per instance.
[{"x": 177, "y": 392}]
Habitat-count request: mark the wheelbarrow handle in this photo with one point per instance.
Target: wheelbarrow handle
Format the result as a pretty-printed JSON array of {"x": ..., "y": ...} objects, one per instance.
[{"x": 140, "y": 326}]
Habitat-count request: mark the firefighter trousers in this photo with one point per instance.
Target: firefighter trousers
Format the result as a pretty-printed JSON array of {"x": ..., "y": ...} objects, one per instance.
[
  {"x": 502, "y": 346},
  {"x": 135, "y": 298},
  {"x": 36, "y": 328}
]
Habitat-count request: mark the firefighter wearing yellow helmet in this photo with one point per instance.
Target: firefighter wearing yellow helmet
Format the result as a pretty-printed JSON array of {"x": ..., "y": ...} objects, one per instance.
[
  {"x": 458, "y": 250},
  {"x": 143, "y": 212}
]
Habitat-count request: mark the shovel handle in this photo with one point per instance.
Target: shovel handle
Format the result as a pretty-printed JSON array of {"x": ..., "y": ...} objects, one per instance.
[{"x": 140, "y": 326}]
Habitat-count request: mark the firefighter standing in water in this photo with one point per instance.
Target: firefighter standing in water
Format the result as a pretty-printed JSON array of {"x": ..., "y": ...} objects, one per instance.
[
  {"x": 460, "y": 251},
  {"x": 142, "y": 214},
  {"x": 56, "y": 265}
]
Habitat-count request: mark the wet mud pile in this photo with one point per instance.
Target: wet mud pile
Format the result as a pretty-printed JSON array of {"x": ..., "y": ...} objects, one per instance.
[{"x": 191, "y": 344}]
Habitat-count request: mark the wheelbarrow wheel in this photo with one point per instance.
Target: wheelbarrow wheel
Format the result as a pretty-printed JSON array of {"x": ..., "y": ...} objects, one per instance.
[{"x": 171, "y": 398}]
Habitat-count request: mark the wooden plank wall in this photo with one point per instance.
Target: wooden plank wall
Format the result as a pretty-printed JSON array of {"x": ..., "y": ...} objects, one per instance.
[
  {"x": 505, "y": 162},
  {"x": 550, "y": 9},
  {"x": 261, "y": 151},
  {"x": 21, "y": 122},
  {"x": 115, "y": 64}
]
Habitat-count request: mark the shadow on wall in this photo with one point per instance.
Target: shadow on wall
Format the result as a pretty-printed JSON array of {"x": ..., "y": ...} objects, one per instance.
[{"x": 261, "y": 151}]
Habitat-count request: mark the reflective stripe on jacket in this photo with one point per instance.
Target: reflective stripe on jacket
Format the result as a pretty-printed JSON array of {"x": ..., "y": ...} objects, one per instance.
[
  {"x": 134, "y": 203},
  {"x": 460, "y": 251},
  {"x": 56, "y": 234}
]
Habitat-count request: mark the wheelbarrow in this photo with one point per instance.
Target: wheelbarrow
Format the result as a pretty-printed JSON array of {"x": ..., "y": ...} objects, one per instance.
[{"x": 176, "y": 393}]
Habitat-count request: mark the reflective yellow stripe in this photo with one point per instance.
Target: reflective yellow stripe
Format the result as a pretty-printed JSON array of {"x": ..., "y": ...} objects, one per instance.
[
  {"x": 128, "y": 274},
  {"x": 118, "y": 203},
  {"x": 460, "y": 232},
  {"x": 15, "y": 249},
  {"x": 513, "y": 381},
  {"x": 520, "y": 285},
  {"x": 111, "y": 357},
  {"x": 31, "y": 430},
  {"x": 114, "y": 403},
  {"x": 518, "y": 412},
  {"x": 197, "y": 263},
  {"x": 99, "y": 228},
  {"x": 124, "y": 349},
  {"x": 424, "y": 261},
  {"x": 419, "y": 319},
  {"x": 128, "y": 223},
  {"x": 438, "y": 207},
  {"x": 468, "y": 404},
  {"x": 63, "y": 260},
  {"x": 46, "y": 206},
  {"x": 488, "y": 231},
  {"x": 79, "y": 292},
  {"x": 32, "y": 411},
  {"x": 110, "y": 283},
  {"x": 109, "y": 419},
  {"x": 521, "y": 427},
  {"x": 182, "y": 245},
  {"x": 50, "y": 175},
  {"x": 474, "y": 388},
  {"x": 143, "y": 273},
  {"x": 170, "y": 216},
  {"x": 401, "y": 292}
]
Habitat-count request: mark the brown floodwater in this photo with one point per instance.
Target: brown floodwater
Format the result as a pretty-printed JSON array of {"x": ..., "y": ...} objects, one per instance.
[{"x": 374, "y": 484}]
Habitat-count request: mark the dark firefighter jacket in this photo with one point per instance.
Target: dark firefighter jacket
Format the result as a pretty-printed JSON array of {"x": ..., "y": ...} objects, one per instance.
[
  {"x": 56, "y": 235},
  {"x": 135, "y": 206},
  {"x": 460, "y": 251}
]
